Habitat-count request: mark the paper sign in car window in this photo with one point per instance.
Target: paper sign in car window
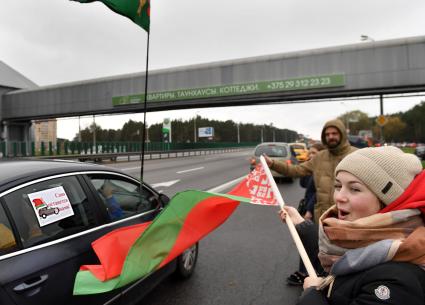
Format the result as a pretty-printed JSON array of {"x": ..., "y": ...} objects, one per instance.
[{"x": 51, "y": 205}]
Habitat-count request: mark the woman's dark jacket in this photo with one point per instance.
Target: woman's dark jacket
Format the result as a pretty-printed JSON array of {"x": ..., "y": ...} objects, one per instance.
[
  {"x": 388, "y": 283},
  {"x": 404, "y": 282}
]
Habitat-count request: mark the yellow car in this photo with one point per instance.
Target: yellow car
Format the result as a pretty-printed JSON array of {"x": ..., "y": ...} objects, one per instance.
[{"x": 301, "y": 151}]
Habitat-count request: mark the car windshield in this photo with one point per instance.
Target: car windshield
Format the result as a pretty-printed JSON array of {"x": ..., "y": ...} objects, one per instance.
[{"x": 271, "y": 151}]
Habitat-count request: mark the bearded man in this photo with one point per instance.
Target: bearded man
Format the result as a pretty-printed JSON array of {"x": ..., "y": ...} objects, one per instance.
[{"x": 322, "y": 167}]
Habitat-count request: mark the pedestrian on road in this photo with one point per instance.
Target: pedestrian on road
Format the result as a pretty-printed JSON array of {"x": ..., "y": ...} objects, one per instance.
[
  {"x": 307, "y": 182},
  {"x": 307, "y": 211},
  {"x": 372, "y": 242}
]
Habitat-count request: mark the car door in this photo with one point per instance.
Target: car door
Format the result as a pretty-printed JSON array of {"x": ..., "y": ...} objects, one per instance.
[
  {"x": 52, "y": 223},
  {"x": 41, "y": 266},
  {"x": 125, "y": 203}
]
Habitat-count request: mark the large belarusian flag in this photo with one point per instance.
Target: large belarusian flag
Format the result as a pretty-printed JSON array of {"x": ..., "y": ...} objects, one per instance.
[
  {"x": 137, "y": 10},
  {"x": 130, "y": 253}
]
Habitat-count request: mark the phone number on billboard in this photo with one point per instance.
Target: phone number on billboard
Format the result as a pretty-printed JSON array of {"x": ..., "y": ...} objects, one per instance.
[{"x": 300, "y": 83}]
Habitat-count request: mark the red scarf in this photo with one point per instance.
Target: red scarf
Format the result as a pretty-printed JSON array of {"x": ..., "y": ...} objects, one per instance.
[{"x": 412, "y": 198}]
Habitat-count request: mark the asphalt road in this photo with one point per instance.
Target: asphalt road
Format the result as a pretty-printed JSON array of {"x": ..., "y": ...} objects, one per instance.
[
  {"x": 196, "y": 172},
  {"x": 247, "y": 259}
]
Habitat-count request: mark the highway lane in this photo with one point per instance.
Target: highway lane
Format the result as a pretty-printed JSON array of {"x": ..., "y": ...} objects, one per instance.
[
  {"x": 247, "y": 259},
  {"x": 196, "y": 172},
  {"x": 243, "y": 262}
]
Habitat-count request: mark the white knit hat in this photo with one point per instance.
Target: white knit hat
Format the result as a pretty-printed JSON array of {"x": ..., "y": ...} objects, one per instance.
[{"x": 387, "y": 171}]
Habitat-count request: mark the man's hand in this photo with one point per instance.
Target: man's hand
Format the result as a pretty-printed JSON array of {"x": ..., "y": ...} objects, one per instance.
[
  {"x": 293, "y": 213},
  {"x": 268, "y": 160}
]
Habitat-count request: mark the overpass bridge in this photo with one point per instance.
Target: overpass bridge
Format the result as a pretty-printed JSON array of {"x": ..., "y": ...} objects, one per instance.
[{"x": 361, "y": 69}]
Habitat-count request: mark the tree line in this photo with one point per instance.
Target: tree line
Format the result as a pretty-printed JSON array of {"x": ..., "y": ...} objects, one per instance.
[
  {"x": 406, "y": 126},
  {"x": 182, "y": 131}
]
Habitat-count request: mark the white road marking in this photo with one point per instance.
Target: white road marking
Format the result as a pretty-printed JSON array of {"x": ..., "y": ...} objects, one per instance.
[
  {"x": 190, "y": 170},
  {"x": 166, "y": 183},
  {"x": 130, "y": 168},
  {"x": 226, "y": 185},
  {"x": 213, "y": 158}
]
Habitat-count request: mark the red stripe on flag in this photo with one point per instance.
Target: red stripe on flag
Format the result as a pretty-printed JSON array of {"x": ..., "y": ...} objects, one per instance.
[
  {"x": 112, "y": 250},
  {"x": 201, "y": 220}
]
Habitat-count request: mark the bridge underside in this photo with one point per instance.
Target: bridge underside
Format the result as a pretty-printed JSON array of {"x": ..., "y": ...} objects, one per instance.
[{"x": 364, "y": 69}]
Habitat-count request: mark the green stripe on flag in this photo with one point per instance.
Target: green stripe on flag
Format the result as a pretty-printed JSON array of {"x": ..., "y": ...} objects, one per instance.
[
  {"x": 137, "y": 11},
  {"x": 158, "y": 239},
  {"x": 153, "y": 246}
]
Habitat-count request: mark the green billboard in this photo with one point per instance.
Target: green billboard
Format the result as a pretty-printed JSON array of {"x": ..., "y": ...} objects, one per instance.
[{"x": 304, "y": 83}]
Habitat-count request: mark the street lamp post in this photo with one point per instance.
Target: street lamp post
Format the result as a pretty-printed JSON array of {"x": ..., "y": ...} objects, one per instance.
[
  {"x": 347, "y": 122},
  {"x": 194, "y": 126},
  {"x": 79, "y": 129},
  {"x": 94, "y": 134},
  {"x": 194, "y": 130}
]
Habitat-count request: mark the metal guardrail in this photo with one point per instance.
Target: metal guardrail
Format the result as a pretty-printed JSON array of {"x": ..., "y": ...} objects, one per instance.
[
  {"x": 150, "y": 155},
  {"x": 13, "y": 149}
]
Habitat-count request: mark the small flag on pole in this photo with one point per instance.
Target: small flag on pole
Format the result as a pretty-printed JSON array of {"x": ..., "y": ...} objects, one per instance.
[
  {"x": 256, "y": 186},
  {"x": 136, "y": 10}
]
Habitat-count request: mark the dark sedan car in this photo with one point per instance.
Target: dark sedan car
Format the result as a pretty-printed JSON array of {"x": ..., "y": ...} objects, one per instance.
[{"x": 51, "y": 212}]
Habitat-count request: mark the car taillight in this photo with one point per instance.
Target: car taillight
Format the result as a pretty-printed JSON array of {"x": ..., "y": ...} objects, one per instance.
[
  {"x": 252, "y": 161},
  {"x": 289, "y": 162}
]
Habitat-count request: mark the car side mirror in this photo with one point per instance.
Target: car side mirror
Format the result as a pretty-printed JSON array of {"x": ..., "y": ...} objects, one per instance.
[{"x": 164, "y": 199}]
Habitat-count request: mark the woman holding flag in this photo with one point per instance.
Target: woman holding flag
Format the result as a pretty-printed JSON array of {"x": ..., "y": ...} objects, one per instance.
[{"x": 372, "y": 241}]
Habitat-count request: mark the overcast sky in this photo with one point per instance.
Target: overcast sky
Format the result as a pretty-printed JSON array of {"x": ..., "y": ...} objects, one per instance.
[{"x": 58, "y": 41}]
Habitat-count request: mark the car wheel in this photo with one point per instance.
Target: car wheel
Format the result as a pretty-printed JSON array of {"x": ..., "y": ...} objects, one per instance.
[{"x": 186, "y": 262}]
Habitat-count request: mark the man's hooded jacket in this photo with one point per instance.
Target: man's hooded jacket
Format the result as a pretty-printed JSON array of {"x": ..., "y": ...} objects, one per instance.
[{"x": 322, "y": 167}]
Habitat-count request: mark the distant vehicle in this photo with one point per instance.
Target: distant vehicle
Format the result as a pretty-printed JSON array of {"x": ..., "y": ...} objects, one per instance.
[
  {"x": 276, "y": 151},
  {"x": 39, "y": 260},
  {"x": 420, "y": 152},
  {"x": 301, "y": 151},
  {"x": 357, "y": 141}
]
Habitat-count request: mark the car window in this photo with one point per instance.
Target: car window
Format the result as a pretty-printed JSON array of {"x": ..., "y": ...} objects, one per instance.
[
  {"x": 272, "y": 151},
  {"x": 7, "y": 240},
  {"x": 122, "y": 198},
  {"x": 298, "y": 146},
  {"x": 49, "y": 210}
]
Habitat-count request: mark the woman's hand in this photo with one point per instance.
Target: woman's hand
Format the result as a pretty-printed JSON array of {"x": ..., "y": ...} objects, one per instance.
[
  {"x": 293, "y": 213},
  {"x": 312, "y": 282},
  {"x": 308, "y": 215}
]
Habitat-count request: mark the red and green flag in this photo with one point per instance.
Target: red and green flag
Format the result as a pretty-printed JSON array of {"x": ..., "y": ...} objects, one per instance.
[
  {"x": 130, "y": 253},
  {"x": 136, "y": 10}
]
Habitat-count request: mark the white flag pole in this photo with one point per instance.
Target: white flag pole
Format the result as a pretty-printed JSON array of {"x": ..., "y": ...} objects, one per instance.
[{"x": 298, "y": 243}]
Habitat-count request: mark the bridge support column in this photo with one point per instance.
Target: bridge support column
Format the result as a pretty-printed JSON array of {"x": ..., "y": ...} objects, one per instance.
[
  {"x": 17, "y": 137},
  {"x": 5, "y": 137}
]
